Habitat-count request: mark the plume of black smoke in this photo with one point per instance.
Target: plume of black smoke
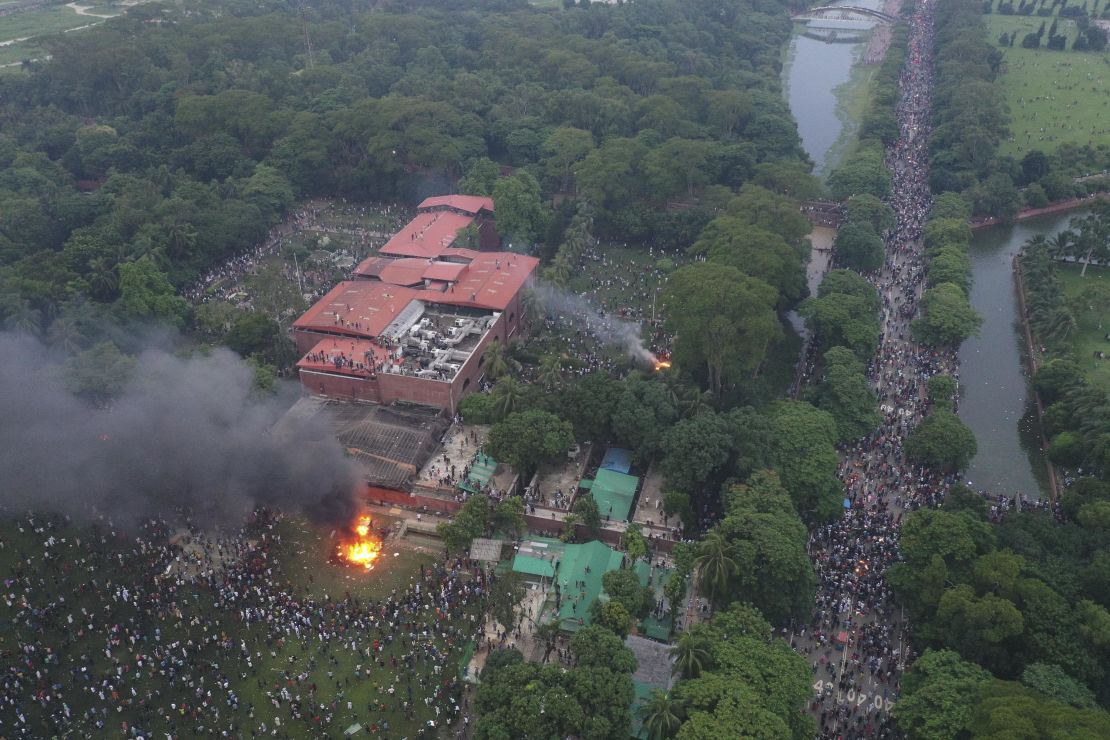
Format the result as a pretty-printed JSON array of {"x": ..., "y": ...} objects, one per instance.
[
  {"x": 185, "y": 435},
  {"x": 609, "y": 329}
]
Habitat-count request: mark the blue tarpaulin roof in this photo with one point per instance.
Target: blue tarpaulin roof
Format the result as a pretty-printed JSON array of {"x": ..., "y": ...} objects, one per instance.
[{"x": 617, "y": 459}]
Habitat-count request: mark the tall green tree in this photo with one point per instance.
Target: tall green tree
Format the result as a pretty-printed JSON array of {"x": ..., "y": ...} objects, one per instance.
[
  {"x": 661, "y": 716},
  {"x": 942, "y": 441},
  {"x": 724, "y": 321},
  {"x": 947, "y": 317},
  {"x": 858, "y": 247},
  {"x": 525, "y": 439},
  {"x": 521, "y": 217}
]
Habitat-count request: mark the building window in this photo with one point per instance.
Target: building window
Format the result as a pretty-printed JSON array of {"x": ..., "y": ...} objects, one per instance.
[{"x": 466, "y": 384}]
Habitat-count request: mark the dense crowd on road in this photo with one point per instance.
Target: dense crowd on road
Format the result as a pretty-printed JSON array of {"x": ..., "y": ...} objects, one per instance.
[
  {"x": 855, "y": 638},
  {"x": 167, "y": 631}
]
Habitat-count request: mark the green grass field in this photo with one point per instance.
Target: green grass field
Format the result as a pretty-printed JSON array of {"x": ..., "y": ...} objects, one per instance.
[
  {"x": 1055, "y": 97},
  {"x": 17, "y": 52},
  {"x": 1092, "y": 326},
  {"x": 852, "y": 99},
  {"x": 41, "y": 22}
]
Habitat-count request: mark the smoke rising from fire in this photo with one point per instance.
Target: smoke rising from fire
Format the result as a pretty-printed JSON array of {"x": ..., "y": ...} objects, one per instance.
[
  {"x": 609, "y": 329},
  {"x": 184, "y": 434}
]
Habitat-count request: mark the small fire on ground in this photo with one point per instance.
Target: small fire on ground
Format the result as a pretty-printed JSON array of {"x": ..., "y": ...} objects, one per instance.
[
  {"x": 363, "y": 548},
  {"x": 662, "y": 363}
]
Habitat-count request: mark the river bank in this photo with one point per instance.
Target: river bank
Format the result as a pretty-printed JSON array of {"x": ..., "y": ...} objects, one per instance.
[
  {"x": 1061, "y": 206},
  {"x": 827, "y": 85},
  {"x": 996, "y": 399},
  {"x": 1031, "y": 355}
]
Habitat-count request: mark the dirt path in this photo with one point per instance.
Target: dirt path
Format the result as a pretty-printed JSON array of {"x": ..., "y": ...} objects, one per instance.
[{"x": 84, "y": 10}]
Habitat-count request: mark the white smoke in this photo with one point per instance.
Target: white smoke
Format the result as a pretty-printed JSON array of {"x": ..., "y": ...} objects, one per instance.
[{"x": 609, "y": 329}]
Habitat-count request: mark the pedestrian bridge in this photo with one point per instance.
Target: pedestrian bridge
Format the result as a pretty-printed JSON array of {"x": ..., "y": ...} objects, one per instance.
[{"x": 843, "y": 13}]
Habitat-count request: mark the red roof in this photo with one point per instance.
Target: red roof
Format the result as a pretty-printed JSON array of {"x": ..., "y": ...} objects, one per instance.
[
  {"x": 491, "y": 280},
  {"x": 427, "y": 235},
  {"x": 372, "y": 266},
  {"x": 357, "y": 357},
  {"x": 446, "y": 271},
  {"x": 360, "y": 308},
  {"x": 408, "y": 271},
  {"x": 471, "y": 204}
]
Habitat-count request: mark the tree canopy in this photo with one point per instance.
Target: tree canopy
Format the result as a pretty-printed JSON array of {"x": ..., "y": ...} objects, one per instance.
[
  {"x": 724, "y": 321},
  {"x": 525, "y": 439}
]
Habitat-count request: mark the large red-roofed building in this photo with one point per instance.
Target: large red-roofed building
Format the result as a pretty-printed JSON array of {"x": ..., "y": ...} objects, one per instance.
[
  {"x": 438, "y": 222},
  {"x": 414, "y": 323}
]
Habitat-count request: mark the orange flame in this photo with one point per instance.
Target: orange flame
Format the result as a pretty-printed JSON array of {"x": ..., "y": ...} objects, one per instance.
[
  {"x": 364, "y": 549},
  {"x": 662, "y": 365}
]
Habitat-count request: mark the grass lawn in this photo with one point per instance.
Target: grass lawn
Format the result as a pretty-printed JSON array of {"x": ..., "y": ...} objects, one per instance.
[
  {"x": 62, "y": 586},
  {"x": 852, "y": 99},
  {"x": 1091, "y": 338},
  {"x": 19, "y": 51},
  {"x": 42, "y": 21},
  {"x": 1055, "y": 97},
  {"x": 308, "y": 546}
]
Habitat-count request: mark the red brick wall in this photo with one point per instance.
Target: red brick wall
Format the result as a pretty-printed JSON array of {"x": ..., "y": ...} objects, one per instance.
[
  {"x": 387, "y": 496},
  {"x": 415, "y": 390},
  {"x": 340, "y": 387}
]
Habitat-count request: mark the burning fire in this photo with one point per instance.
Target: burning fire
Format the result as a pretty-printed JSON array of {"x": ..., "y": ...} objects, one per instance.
[
  {"x": 661, "y": 362},
  {"x": 364, "y": 549}
]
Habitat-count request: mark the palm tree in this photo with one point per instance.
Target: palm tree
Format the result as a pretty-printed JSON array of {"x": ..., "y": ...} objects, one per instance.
[
  {"x": 661, "y": 715},
  {"x": 181, "y": 238},
  {"x": 690, "y": 655},
  {"x": 1092, "y": 238},
  {"x": 694, "y": 401},
  {"x": 25, "y": 320},
  {"x": 547, "y": 633},
  {"x": 507, "y": 395},
  {"x": 1060, "y": 246},
  {"x": 497, "y": 362},
  {"x": 559, "y": 271},
  {"x": 1058, "y": 325},
  {"x": 716, "y": 565},
  {"x": 531, "y": 307},
  {"x": 103, "y": 278},
  {"x": 66, "y": 333},
  {"x": 551, "y": 372}
]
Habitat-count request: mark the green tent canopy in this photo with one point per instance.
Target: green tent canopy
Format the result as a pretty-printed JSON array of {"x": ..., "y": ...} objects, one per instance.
[{"x": 613, "y": 493}]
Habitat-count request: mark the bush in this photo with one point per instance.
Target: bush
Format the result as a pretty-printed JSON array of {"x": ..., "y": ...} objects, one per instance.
[
  {"x": 1035, "y": 196},
  {"x": 478, "y": 408},
  {"x": 1066, "y": 449}
]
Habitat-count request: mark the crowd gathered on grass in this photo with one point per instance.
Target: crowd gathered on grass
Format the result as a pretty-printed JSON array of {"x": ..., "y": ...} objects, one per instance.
[{"x": 183, "y": 633}]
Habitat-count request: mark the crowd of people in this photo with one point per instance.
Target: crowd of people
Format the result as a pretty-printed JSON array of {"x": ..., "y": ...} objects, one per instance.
[
  {"x": 174, "y": 633},
  {"x": 855, "y": 638},
  {"x": 362, "y": 227},
  {"x": 598, "y": 330}
]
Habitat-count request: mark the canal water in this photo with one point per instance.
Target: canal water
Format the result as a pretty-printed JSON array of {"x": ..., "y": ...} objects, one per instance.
[
  {"x": 995, "y": 399},
  {"x": 812, "y": 71}
]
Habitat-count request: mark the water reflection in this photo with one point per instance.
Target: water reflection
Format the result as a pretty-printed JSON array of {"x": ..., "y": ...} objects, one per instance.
[
  {"x": 814, "y": 68},
  {"x": 994, "y": 395}
]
